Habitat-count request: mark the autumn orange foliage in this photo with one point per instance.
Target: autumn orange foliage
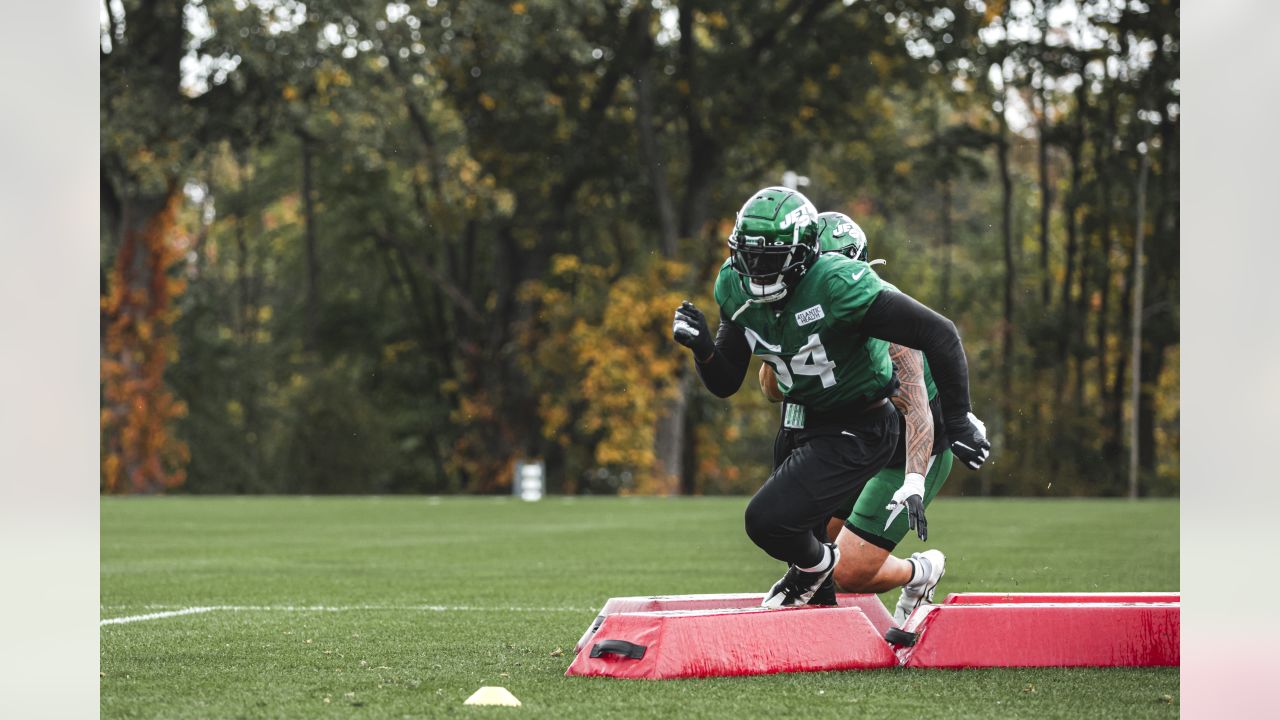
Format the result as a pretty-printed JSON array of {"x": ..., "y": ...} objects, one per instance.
[{"x": 139, "y": 451}]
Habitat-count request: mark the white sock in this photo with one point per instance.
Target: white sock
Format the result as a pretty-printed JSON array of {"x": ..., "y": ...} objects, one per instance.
[
  {"x": 920, "y": 572},
  {"x": 823, "y": 564}
]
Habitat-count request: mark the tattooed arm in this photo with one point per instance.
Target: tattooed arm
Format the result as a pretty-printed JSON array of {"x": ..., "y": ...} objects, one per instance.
[{"x": 913, "y": 401}]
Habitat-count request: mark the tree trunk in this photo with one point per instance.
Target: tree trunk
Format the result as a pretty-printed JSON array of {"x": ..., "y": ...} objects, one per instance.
[
  {"x": 1114, "y": 448},
  {"x": 1080, "y": 327},
  {"x": 652, "y": 161},
  {"x": 1046, "y": 200},
  {"x": 1135, "y": 352},
  {"x": 1161, "y": 328},
  {"x": 670, "y": 438},
  {"x": 1007, "y": 334},
  {"x": 693, "y": 416},
  {"x": 1101, "y": 167},
  {"x": 309, "y": 233},
  {"x": 1113, "y": 418},
  {"x": 945, "y": 305},
  {"x": 1070, "y": 318},
  {"x": 673, "y": 428}
]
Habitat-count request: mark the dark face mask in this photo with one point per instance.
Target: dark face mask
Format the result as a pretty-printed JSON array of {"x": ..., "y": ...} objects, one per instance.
[{"x": 763, "y": 263}]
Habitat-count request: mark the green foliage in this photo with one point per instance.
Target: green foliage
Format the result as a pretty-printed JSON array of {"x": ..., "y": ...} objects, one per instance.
[
  {"x": 337, "y": 441},
  {"x": 441, "y": 236}
]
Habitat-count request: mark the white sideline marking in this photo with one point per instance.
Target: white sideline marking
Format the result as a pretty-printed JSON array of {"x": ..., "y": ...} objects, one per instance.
[
  {"x": 328, "y": 608},
  {"x": 155, "y": 615}
]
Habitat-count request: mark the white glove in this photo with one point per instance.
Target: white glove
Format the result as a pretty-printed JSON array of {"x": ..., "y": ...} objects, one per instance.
[{"x": 911, "y": 497}]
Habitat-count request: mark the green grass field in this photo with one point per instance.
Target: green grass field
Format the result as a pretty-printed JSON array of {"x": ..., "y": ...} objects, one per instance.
[{"x": 402, "y": 607}]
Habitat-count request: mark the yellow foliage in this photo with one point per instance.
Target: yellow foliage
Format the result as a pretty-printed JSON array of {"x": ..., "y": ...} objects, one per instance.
[
  {"x": 616, "y": 369},
  {"x": 880, "y": 62},
  {"x": 235, "y": 411},
  {"x": 392, "y": 351},
  {"x": 563, "y": 264},
  {"x": 335, "y": 76},
  {"x": 1168, "y": 414},
  {"x": 703, "y": 37}
]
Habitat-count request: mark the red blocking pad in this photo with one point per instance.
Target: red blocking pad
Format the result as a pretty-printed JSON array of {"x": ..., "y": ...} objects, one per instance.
[
  {"x": 749, "y": 641},
  {"x": 1044, "y": 635},
  {"x": 870, "y": 605},
  {"x": 1112, "y": 597}
]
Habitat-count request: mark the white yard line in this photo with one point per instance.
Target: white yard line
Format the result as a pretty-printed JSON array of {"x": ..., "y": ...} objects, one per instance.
[
  {"x": 155, "y": 615},
  {"x": 329, "y": 608}
]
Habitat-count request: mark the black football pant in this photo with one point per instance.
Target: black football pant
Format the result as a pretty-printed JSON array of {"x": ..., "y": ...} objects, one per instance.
[{"x": 818, "y": 472}]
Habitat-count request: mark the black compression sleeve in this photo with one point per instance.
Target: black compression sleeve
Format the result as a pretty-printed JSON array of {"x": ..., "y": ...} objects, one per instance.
[
  {"x": 901, "y": 319},
  {"x": 724, "y": 371}
]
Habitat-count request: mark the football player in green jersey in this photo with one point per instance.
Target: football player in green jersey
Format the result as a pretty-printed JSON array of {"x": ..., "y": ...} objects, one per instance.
[
  {"x": 824, "y": 322},
  {"x": 874, "y": 520}
]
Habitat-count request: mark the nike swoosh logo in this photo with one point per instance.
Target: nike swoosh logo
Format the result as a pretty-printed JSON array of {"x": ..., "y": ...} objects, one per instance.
[{"x": 858, "y": 274}]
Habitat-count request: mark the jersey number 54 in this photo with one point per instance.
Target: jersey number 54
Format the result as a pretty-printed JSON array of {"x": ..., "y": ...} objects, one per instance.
[{"x": 809, "y": 360}]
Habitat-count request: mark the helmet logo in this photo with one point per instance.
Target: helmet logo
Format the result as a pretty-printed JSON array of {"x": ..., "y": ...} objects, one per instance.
[
  {"x": 800, "y": 217},
  {"x": 843, "y": 229}
]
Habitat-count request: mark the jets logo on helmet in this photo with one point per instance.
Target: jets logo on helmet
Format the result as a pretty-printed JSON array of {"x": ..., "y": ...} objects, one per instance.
[
  {"x": 774, "y": 242},
  {"x": 801, "y": 216},
  {"x": 838, "y": 232}
]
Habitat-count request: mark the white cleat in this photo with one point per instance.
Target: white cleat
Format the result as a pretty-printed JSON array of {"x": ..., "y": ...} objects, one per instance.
[{"x": 930, "y": 566}]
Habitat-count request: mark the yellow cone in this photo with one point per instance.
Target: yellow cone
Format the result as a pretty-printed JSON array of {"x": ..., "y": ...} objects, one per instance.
[{"x": 492, "y": 696}]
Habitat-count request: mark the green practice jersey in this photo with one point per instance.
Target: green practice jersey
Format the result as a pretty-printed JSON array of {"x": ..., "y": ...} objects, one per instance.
[{"x": 812, "y": 339}]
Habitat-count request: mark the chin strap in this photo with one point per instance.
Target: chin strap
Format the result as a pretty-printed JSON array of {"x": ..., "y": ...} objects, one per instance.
[
  {"x": 773, "y": 297},
  {"x": 878, "y": 261},
  {"x": 738, "y": 312}
]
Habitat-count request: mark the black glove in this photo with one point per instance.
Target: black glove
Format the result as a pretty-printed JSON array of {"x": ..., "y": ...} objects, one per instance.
[
  {"x": 910, "y": 496},
  {"x": 689, "y": 328},
  {"x": 915, "y": 516},
  {"x": 968, "y": 438}
]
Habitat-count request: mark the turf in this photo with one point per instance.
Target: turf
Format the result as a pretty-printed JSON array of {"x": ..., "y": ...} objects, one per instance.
[{"x": 525, "y": 579}]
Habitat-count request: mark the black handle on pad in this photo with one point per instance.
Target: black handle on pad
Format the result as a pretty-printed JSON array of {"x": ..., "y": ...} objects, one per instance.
[
  {"x": 901, "y": 638},
  {"x": 618, "y": 647}
]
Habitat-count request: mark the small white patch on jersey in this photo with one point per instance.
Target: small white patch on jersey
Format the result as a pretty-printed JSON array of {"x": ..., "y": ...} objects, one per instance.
[
  {"x": 856, "y": 276},
  {"x": 812, "y": 315}
]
